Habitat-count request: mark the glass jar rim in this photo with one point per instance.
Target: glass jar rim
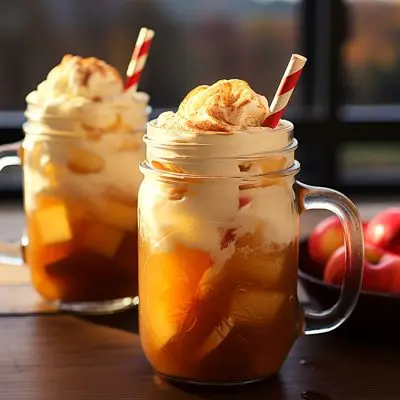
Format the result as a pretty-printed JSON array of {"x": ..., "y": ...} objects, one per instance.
[
  {"x": 30, "y": 117},
  {"x": 69, "y": 134},
  {"x": 285, "y": 126},
  {"x": 147, "y": 169},
  {"x": 34, "y": 119},
  {"x": 31, "y": 97},
  {"x": 246, "y": 147},
  {"x": 258, "y": 156},
  {"x": 220, "y": 143}
]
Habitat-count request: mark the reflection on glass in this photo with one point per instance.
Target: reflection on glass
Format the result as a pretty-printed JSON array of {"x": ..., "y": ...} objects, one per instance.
[{"x": 197, "y": 42}]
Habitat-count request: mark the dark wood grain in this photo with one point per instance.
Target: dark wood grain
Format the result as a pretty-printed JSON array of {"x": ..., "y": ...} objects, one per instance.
[{"x": 64, "y": 357}]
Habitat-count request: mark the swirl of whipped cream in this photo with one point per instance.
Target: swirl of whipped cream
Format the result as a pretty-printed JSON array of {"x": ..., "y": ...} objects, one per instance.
[
  {"x": 90, "y": 94},
  {"x": 225, "y": 106},
  {"x": 81, "y": 77}
]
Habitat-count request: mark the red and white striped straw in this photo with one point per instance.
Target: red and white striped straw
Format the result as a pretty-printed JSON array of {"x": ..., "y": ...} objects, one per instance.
[
  {"x": 285, "y": 90},
  {"x": 138, "y": 59}
]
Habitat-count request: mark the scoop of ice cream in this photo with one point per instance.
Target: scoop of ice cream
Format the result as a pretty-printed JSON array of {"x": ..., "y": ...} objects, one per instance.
[
  {"x": 81, "y": 77},
  {"x": 225, "y": 106},
  {"x": 90, "y": 93}
]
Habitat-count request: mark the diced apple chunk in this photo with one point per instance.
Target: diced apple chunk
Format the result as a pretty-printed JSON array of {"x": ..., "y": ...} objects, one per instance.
[
  {"x": 102, "y": 239},
  {"x": 53, "y": 173},
  {"x": 53, "y": 224},
  {"x": 216, "y": 337},
  {"x": 255, "y": 307},
  {"x": 129, "y": 144},
  {"x": 207, "y": 283},
  {"x": 273, "y": 164},
  {"x": 167, "y": 167},
  {"x": 267, "y": 270},
  {"x": 84, "y": 161},
  {"x": 118, "y": 215},
  {"x": 171, "y": 308},
  {"x": 34, "y": 152},
  {"x": 257, "y": 262}
]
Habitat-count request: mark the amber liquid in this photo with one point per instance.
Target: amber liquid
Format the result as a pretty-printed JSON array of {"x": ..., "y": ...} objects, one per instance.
[
  {"x": 75, "y": 256},
  {"x": 203, "y": 323}
]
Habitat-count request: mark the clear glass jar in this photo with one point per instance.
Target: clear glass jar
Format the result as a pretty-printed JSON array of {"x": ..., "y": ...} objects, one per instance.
[
  {"x": 218, "y": 256},
  {"x": 80, "y": 198}
]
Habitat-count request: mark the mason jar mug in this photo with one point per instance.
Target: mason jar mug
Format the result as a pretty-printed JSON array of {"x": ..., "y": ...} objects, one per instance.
[
  {"x": 80, "y": 200},
  {"x": 218, "y": 256}
]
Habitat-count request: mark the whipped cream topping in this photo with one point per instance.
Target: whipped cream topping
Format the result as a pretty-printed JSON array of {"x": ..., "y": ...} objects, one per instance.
[
  {"x": 119, "y": 174},
  {"x": 82, "y": 103},
  {"x": 209, "y": 210},
  {"x": 86, "y": 95},
  {"x": 226, "y": 106},
  {"x": 81, "y": 77},
  {"x": 217, "y": 133}
]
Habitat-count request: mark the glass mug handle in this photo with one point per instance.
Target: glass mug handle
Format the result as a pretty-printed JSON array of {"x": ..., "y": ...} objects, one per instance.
[
  {"x": 318, "y": 198},
  {"x": 10, "y": 253}
]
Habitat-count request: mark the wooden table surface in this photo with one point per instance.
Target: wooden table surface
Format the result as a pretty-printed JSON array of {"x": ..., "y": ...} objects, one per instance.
[
  {"x": 57, "y": 357},
  {"x": 65, "y": 357}
]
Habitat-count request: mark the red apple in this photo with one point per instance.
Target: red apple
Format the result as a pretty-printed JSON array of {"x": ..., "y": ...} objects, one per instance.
[
  {"x": 384, "y": 230},
  {"x": 381, "y": 270},
  {"x": 326, "y": 237}
]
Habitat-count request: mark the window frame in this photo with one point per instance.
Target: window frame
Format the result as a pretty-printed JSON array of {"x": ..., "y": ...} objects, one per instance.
[
  {"x": 342, "y": 123},
  {"x": 323, "y": 119}
]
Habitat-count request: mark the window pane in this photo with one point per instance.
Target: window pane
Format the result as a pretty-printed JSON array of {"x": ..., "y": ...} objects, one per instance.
[
  {"x": 196, "y": 42},
  {"x": 372, "y": 54},
  {"x": 370, "y": 163}
]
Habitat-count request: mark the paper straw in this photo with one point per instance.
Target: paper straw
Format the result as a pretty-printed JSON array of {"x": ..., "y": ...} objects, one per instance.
[
  {"x": 285, "y": 90},
  {"x": 139, "y": 58}
]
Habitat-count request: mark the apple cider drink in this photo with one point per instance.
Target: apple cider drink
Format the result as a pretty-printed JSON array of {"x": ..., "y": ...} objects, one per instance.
[
  {"x": 82, "y": 148},
  {"x": 218, "y": 241}
]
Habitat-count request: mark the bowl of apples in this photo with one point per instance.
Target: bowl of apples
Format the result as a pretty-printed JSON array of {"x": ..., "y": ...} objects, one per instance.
[{"x": 322, "y": 267}]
